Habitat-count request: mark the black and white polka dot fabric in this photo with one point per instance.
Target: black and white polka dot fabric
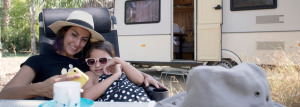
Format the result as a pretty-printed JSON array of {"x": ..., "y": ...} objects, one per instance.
[{"x": 123, "y": 90}]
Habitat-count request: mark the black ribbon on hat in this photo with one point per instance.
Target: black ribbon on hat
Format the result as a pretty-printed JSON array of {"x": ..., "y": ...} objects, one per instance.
[{"x": 82, "y": 23}]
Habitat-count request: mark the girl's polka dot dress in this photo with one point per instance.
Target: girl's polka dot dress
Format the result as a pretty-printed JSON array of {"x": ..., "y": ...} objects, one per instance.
[{"x": 123, "y": 90}]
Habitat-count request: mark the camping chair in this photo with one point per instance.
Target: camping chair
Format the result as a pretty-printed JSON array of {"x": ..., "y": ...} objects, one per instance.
[{"x": 102, "y": 23}]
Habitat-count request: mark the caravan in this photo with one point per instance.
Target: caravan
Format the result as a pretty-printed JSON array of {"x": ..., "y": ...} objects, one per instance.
[{"x": 213, "y": 32}]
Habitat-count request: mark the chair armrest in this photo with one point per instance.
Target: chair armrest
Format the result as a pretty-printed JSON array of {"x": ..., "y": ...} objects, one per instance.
[{"x": 156, "y": 94}]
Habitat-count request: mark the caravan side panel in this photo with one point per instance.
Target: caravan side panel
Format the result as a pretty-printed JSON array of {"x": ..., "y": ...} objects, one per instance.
[
  {"x": 151, "y": 42},
  {"x": 265, "y": 47},
  {"x": 263, "y": 36},
  {"x": 145, "y": 48},
  {"x": 285, "y": 17}
]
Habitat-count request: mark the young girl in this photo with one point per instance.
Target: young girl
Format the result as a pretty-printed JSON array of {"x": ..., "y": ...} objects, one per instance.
[{"x": 108, "y": 76}]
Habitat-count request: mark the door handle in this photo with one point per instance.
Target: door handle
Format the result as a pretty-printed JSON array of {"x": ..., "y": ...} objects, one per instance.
[{"x": 218, "y": 7}]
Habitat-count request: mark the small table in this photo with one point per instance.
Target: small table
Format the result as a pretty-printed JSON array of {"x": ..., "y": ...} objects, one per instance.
[{"x": 36, "y": 103}]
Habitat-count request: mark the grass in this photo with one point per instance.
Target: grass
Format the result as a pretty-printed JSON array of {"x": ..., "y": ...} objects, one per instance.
[
  {"x": 175, "y": 86},
  {"x": 284, "y": 79}
]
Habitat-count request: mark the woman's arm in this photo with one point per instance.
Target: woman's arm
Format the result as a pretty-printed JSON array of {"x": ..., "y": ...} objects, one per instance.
[
  {"x": 93, "y": 91},
  {"x": 131, "y": 72},
  {"x": 20, "y": 86}
]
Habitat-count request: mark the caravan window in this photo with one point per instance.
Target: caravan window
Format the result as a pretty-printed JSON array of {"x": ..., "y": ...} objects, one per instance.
[
  {"x": 252, "y": 4},
  {"x": 142, "y": 11}
]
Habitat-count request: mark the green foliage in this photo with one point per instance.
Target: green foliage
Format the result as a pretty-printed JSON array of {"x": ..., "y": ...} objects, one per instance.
[
  {"x": 60, "y": 3},
  {"x": 16, "y": 36}
]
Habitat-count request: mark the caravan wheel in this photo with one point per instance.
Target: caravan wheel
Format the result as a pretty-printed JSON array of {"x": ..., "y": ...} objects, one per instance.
[{"x": 225, "y": 63}]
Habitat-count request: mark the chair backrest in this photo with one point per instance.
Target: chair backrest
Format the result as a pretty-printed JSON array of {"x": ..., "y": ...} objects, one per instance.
[{"x": 102, "y": 24}]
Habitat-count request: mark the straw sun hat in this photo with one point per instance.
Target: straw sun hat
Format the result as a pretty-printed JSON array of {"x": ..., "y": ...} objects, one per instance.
[{"x": 80, "y": 19}]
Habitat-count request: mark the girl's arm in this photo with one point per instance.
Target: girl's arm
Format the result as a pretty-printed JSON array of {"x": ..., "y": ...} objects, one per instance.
[
  {"x": 93, "y": 91},
  {"x": 93, "y": 80},
  {"x": 131, "y": 72},
  {"x": 20, "y": 87}
]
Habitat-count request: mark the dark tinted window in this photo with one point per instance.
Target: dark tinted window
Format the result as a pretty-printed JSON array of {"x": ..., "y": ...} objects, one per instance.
[{"x": 252, "y": 4}]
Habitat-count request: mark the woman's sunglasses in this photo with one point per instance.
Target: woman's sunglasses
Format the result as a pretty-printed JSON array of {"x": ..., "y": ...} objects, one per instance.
[{"x": 93, "y": 61}]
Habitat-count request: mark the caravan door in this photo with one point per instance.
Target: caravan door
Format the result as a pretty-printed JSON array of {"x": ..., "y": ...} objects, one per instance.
[
  {"x": 208, "y": 34},
  {"x": 144, "y": 30}
]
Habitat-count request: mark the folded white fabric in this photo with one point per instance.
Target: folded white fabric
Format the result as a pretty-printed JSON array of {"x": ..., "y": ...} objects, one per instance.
[{"x": 244, "y": 85}]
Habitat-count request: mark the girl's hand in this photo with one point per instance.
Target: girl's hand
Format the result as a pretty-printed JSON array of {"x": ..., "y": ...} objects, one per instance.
[
  {"x": 47, "y": 87},
  {"x": 110, "y": 65},
  {"x": 117, "y": 70}
]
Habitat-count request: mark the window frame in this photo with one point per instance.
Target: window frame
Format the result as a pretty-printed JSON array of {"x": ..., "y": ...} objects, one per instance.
[
  {"x": 148, "y": 22},
  {"x": 232, "y": 8}
]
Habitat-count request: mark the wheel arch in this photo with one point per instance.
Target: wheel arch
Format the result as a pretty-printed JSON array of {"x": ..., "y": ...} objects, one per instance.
[{"x": 228, "y": 54}]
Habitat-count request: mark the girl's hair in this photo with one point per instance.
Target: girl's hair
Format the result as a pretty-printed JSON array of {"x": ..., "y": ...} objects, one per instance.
[
  {"x": 101, "y": 45},
  {"x": 59, "y": 42}
]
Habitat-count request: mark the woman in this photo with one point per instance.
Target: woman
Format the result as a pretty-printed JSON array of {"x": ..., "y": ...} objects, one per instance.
[{"x": 38, "y": 73}]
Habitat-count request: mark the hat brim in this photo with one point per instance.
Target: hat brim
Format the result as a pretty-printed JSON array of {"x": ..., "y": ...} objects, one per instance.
[{"x": 59, "y": 24}]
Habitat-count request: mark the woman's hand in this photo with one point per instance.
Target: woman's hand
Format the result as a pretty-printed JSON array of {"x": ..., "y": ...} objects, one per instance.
[
  {"x": 46, "y": 88},
  {"x": 150, "y": 80}
]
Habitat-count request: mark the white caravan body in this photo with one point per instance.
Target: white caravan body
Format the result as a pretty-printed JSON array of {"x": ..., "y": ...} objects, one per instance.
[{"x": 224, "y": 32}]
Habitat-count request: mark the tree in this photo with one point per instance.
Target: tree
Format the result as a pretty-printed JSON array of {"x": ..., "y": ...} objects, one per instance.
[
  {"x": 32, "y": 28},
  {"x": 99, "y": 3},
  {"x": 18, "y": 32},
  {"x": 5, "y": 10},
  {"x": 60, "y": 3},
  {"x": 15, "y": 35},
  {"x": 5, "y": 19}
]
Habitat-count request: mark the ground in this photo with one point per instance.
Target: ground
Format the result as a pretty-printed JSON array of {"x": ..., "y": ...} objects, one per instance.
[{"x": 9, "y": 67}]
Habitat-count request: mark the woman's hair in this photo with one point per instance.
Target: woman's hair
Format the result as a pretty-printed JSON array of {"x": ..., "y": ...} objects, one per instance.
[
  {"x": 59, "y": 42},
  {"x": 101, "y": 45}
]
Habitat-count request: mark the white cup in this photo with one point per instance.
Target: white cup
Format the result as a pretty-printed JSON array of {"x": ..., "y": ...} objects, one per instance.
[{"x": 66, "y": 94}]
